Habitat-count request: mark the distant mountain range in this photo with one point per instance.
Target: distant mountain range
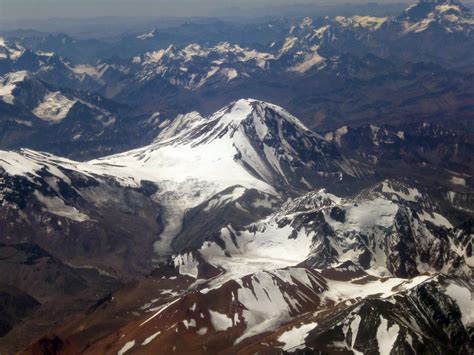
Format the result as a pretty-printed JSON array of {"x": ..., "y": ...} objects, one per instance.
[{"x": 329, "y": 71}]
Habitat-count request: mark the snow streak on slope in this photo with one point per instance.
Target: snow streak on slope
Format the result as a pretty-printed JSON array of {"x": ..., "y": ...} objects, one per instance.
[{"x": 28, "y": 162}]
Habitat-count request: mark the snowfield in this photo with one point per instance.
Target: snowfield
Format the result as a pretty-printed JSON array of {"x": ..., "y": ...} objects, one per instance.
[
  {"x": 8, "y": 84},
  {"x": 54, "y": 107}
]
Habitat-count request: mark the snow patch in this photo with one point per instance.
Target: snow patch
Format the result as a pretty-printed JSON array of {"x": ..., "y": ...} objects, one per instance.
[
  {"x": 295, "y": 337},
  {"x": 150, "y": 338},
  {"x": 202, "y": 331},
  {"x": 54, "y": 107},
  {"x": 190, "y": 323},
  {"x": 407, "y": 194},
  {"x": 220, "y": 321},
  {"x": 8, "y": 83},
  {"x": 57, "y": 206},
  {"x": 339, "y": 291},
  {"x": 386, "y": 336},
  {"x": 126, "y": 347},
  {"x": 464, "y": 299},
  {"x": 146, "y": 35},
  {"x": 458, "y": 181},
  {"x": 187, "y": 264},
  {"x": 435, "y": 218}
]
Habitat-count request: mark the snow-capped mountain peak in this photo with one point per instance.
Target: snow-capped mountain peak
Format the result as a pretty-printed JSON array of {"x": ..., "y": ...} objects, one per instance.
[
  {"x": 10, "y": 51},
  {"x": 245, "y": 115},
  {"x": 423, "y": 8},
  {"x": 265, "y": 139},
  {"x": 194, "y": 66},
  {"x": 249, "y": 135},
  {"x": 249, "y": 143},
  {"x": 450, "y": 15}
]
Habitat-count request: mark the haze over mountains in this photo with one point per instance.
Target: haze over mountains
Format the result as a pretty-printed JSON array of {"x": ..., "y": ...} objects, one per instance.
[
  {"x": 100, "y": 20},
  {"x": 285, "y": 185}
]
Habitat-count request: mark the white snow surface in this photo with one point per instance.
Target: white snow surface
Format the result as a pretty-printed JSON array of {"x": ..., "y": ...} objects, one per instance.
[
  {"x": 18, "y": 164},
  {"x": 9, "y": 50},
  {"x": 339, "y": 291},
  {"x": 225, "y": 199},
  {"x": 220, "y": 321},
  {"x": 267, "y": 249},
  {"x": 408, "y": 194},
  {"x": 436, "y": 219},
  {"x": 275, "y": 243},
  {"x": 458, "y": 181},
  {"x": 128, "y": 346},
  {"x": 150, "y": 338},
  {"x": 465, "y": 301},
  {"x": 146, "y": 35},
  {"x": 8, "y": 83},
  {"x": 266, "y": 304},
  {"x": 57, "y": 206},
  {"x": 308, "y": 61},
  {"x": 355, "y": 330},
  {"x": 448, "y": 16},
  {"x": 27, "y": 162},
  {"x": 386, "y": 336},
  {"x": 368, "y": 22},
  {"x": 187, "y": 264},
  {"x": 295, "y": 337},
  {"x": 54, "y": 107},
  {"x": 184, "y": 67},
  {"x": 188, "y": 171}
]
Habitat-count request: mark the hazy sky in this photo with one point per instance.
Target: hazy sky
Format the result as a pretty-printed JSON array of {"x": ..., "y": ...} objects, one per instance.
[{"x": 11, "y": 10}]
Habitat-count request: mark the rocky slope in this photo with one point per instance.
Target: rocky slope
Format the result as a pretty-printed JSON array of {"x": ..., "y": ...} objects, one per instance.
[
  {"x": 322, "y": 274},
  {"x": 39, "y": 291},
  {"x": 45, "y": 198}
]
